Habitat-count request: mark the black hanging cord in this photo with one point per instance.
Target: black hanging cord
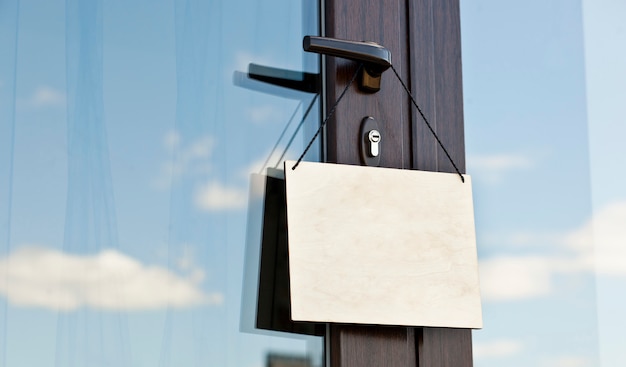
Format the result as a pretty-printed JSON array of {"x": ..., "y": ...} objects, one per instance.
[
  {"x": 330, "y": 114},
  {"x": 282, "y": 134},
  {"x": 280, "y": 138},
  {"x": 306, "y": 114},
  {"x": 332, "y": 111},
  {"x": 427, "y": 123}
]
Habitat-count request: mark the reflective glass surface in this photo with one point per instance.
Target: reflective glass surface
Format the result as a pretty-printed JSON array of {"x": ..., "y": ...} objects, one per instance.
[
  {"x": 544, "y": 94},
  {"x": 129, "y": 131},
  {"x": 130, "y": 228}
]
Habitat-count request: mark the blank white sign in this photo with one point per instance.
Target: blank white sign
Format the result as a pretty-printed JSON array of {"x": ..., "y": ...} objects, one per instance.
[{"x": 371, "y": 245}]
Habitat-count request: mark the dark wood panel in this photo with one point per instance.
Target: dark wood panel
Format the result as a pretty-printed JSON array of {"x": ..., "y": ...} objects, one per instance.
[
  {"x": 384, "y": 22},
  {"x": 448, "y": 83},
  {"x": 376, "y": 21},
  {"x": 435, "y": 39},
  {"x": 422, "y": 65},
  {"x": 424, "y": 38},
  {"x": 439, "y": 347},
  {"x": 367, "y": 346}
]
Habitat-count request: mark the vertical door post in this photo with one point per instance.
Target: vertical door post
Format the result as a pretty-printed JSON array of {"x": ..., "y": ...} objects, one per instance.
[{"x": 424, "y": 39}]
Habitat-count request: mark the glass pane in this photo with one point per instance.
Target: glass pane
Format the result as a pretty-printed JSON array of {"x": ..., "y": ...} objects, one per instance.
[
  {"x": 544, "y": 92},
  {"x": 128, "y": 134}
]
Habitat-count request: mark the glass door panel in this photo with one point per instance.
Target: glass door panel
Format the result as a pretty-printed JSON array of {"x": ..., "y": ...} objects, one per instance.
[
  {"x": 128, "y": 134},
  {"x": 544, "y": 92}
]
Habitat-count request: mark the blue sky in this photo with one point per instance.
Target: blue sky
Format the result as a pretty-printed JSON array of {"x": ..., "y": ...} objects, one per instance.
[
  {"x": 161, "y": 198},
  {"x": 542, "y": 88}
]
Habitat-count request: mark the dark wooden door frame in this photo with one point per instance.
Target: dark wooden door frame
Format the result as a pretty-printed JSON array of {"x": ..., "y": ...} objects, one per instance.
[{"x": 425, "y": 41}]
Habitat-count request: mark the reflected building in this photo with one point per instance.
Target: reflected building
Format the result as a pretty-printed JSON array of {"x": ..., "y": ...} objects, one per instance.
[{"x": 287, "y": 360}]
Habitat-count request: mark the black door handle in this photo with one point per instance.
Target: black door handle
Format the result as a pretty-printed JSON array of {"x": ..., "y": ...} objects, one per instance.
[
  {"x": 376, "y": 58},
  {"x": 296, "y": 80}
]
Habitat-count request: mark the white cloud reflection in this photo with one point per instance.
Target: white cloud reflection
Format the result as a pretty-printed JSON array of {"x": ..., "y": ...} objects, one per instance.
[
  {"x": 214, "y": 196},
  {"x": 44, "y": 96},
  {"x": 191, "y": 158},
  {"x": 497, "y": 349},
  {"x": 266, "y": 113},
  {"x": 567, "y": 361},
  {"x": 109, "y": 280},
  {"x": 509, "y": 278},
  {"x": 598, "y": 246},
  {"x": 273, "y": 159},
  {"x": 601, "y": 243},
  {"x": 47, "y": 96},
  {"x": 492, "y": 168}
]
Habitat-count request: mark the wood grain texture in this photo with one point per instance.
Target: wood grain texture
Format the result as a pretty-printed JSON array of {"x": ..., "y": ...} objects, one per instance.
[
  {"x": 424, "y": 36},
  {"x": 376, "y": 21},
  {"x": 383, "y": 246},
  {"x": 448, "y": 83},
  {"x": 444, "y": 347},
  {"x": 436, "y": 80},
  {"x": 367, "y": 346},
  {"x": 435, "y": 55}
]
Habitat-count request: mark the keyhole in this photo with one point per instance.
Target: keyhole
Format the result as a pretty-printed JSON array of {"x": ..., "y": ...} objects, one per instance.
[{"x": 374, "y": 138}]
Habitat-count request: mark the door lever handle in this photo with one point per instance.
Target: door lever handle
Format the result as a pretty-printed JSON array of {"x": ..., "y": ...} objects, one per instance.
[
  {"x": 296, "y": 80},
  {"x": 371, "y": 54},
  {"x": 376, "y": 58}
]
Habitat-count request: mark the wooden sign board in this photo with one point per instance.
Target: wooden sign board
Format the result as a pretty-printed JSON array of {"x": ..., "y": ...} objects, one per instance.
[{"x": 371, "y": 245}]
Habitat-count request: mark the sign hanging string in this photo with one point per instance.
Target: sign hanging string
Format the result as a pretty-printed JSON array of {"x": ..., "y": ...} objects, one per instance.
[
  {"x": 330, "y": 114},
  {"x": 427, "y": 123},
  {"x": 332, "y": 111}
]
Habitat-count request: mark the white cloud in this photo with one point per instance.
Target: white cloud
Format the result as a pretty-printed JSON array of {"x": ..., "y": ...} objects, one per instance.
[
  {"x": 214, "y": 196},
  {"x": 491, "y": 168},
  {"x": 601, "y": 243},
  {"x": 186, "y": 264},
  {"x": 44, "y": 96},
  {"x": 597, "y": 246},
  {"x": 191, "y": 159},
  {"x": 47, "y": 96},
  {"x": 567, "y": 361},
  {"x": 109, "y": 280},
  {"x": 507, "y": 278},
  {"x": 171, "y": 140},
  {"x": 499, "y": 162},
  {"x": 273, "y": 161},
  {"x": 266, "y": 113},
  {"x": 497, "y": 349},
  {"x": 520, "y": 240}
]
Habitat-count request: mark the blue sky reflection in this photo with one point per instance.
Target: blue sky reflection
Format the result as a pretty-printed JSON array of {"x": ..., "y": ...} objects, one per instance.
[
  {"x": 136, "y": 101},
  {"x": 123, "y": 239},
  {"x": 542, "y": 121}
]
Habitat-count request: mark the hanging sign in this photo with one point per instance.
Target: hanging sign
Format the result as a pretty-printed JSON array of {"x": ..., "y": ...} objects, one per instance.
[
  {"x": 265, "y": 302},
  {"x": 371, "y": 245}
]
